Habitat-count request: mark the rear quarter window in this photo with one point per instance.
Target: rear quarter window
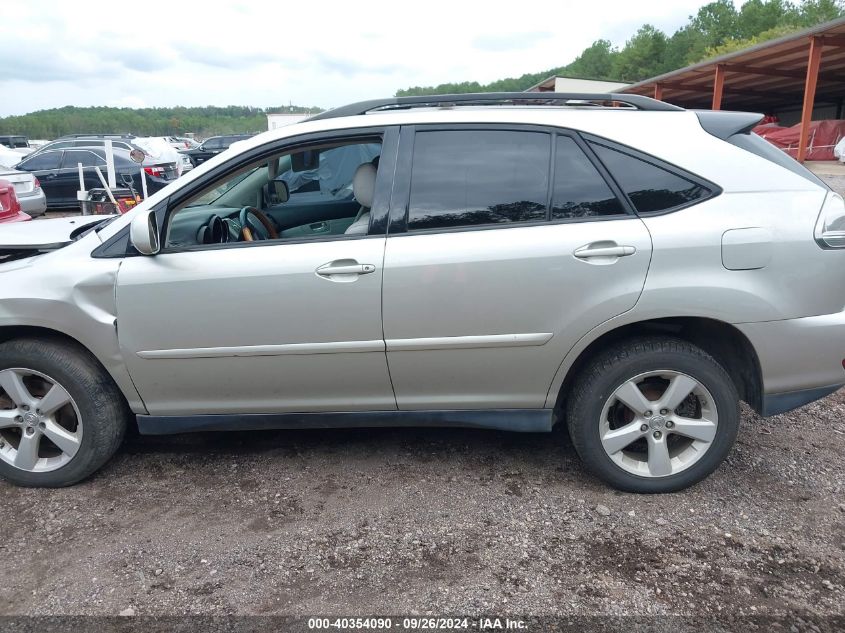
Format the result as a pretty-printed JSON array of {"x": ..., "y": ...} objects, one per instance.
[{"x": 651, "y": 188}]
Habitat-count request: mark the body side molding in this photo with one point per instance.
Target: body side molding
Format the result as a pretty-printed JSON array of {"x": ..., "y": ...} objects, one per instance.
[
  {"x": 469, "y": 342},
  {"x": 347, "y": 347}
]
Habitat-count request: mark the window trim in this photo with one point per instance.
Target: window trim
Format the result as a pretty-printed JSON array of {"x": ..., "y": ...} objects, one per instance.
[
  {"x": 675, "y": 170},
  {"x": 378, "y": 212},
  {"x": 401, "y": 198}
]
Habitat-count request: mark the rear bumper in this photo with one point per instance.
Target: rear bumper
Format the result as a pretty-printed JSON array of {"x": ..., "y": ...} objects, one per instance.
[
  {"x": 801, "y": 360},
  {"x": 35, "y": 204}
]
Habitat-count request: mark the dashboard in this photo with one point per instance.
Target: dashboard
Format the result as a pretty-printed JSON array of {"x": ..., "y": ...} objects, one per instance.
[{"x": 194, "y": 226}]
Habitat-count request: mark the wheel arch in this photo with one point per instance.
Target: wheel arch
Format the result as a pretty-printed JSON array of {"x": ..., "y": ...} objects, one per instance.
[
  {"x": 726, "y": 343},
  {"x": 124, "y": 384}
]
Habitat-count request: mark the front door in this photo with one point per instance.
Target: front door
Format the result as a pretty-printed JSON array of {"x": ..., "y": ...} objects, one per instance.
[
  {"x": 216, "y": 324},
  {"x": 496, "y": 264}
]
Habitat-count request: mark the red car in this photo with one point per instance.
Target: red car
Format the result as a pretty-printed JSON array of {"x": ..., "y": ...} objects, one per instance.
[{"x": 10, "y": 208}]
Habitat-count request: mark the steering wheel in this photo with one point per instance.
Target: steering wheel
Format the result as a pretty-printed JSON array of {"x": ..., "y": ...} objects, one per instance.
[{"x": 251, "y": 232}]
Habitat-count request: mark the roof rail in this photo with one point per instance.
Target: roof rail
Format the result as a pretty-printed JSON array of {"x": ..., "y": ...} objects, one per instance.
[
  {"x": 638, "y": 102},
  {"x": 104, "y": 136}
]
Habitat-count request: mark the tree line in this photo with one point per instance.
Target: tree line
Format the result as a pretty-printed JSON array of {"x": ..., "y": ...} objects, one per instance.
[
  {"x": 203, "y": 121},
  {"x": 716, "y": 29}
]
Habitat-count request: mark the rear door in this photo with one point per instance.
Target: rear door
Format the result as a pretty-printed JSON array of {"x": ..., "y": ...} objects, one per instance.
[
  {"x": 68, "y": 180},
  {"x": 505, "y": 246}
]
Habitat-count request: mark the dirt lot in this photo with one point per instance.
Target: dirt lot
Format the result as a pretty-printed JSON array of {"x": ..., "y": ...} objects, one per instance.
[
  {"x": 434, "y": 521},
  {"x": 403, "y": 521}
]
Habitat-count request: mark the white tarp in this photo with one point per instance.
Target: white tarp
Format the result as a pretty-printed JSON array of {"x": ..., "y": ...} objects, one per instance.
[{"x": 839, "y": 150}]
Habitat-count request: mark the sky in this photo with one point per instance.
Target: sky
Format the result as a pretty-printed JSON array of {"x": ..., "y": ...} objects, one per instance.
[{"x": 323, "y": 53}]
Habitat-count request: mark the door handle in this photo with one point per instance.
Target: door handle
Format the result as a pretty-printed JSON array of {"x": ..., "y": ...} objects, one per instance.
[
  {"x": 585, "y": 252},
  {"x": 344, "y": 267}
]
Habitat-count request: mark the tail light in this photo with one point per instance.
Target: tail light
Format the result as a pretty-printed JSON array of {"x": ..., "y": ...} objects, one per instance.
[
  {"x": 37, "y": 185},
  {"x": 158, "y": 172},
  {"x": 830, "y": 227}
]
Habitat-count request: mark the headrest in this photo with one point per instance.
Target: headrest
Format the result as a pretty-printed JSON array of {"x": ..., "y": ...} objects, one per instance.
[{"x": 364, "y": 184}]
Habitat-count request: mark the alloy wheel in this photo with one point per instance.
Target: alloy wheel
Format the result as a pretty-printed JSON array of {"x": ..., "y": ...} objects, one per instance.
[
  {"x": 40, "y": 424},
  {"x": 658, "y": 423}
]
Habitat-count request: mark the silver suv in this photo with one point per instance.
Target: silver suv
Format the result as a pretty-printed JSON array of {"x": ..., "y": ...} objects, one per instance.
[{"x": 504, "y": 261}]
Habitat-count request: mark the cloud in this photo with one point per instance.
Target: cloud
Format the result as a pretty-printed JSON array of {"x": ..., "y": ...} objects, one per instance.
[
  {"x": 224, "y": 57},
  {"x": 128, "y": 102},
  {"x": 509, "y": 41},
  {"x": 332, "y": 64},
  {"x": 324, "y": 54}
]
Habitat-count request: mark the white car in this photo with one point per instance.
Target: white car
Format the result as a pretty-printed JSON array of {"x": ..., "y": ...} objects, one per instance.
[
  {"x": 181, "y": 142},
  {"x": 9, "y": 157},
  {"x": 27, "y": 190}
]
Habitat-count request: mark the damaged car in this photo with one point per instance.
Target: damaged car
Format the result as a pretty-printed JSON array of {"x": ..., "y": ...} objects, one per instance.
[{"x": 497, "y": 261}]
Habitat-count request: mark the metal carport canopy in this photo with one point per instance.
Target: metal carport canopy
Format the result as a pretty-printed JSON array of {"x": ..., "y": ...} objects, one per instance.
[{"x": 801, "y": 68}]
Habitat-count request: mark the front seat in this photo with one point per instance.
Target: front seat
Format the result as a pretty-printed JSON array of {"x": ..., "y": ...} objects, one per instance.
[{"x": 363, "y": 188}]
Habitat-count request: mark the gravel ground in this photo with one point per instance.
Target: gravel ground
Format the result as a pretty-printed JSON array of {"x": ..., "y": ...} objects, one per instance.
[
  {"x": 432, "y": 520},
  {"x": 362, "y": 522}
]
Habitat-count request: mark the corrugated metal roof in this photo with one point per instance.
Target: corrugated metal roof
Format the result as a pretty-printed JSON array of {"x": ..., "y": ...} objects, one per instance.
[{"x": 764, "y": 76}]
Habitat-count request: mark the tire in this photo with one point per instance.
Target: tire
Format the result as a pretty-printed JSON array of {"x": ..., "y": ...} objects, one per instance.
[
  {"x": 595, "y": 410},
  {"x": 97, "y": 408}
]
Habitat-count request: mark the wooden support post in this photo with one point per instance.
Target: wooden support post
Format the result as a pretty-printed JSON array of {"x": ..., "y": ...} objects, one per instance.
[
  {"x": 718, "y": 87},
  {"x": 658, "y": 92},
  {"x": 813, "y": 64}
]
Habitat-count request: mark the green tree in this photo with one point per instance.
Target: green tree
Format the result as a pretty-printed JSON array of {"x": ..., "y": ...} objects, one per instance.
[
  {"x": 758, "y": 16},
  {"x": 644, "y": 55},
  {"x": 812, "y": 12},
  {"x": 596, "y": 62},
  {"x": 717, "y": 22},
  {"x": 731, "y": 45},
  {"x": 204, "y": 121}
]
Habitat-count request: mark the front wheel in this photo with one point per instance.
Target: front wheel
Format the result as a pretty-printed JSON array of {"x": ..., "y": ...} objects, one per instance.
[
  {"x": 653, "y": 415},
  {"x": 61, "y": 416}
]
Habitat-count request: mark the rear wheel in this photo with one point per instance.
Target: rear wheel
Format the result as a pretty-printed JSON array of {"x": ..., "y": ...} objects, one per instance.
[
  {"x": 61, "y": 416},
  {"x": 653, "y": 415}
]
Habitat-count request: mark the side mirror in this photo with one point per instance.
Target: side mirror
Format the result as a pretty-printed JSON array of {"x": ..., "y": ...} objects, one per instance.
[
  {"x": 143, "y": 233},
  {"x": 280, "y": 191}
]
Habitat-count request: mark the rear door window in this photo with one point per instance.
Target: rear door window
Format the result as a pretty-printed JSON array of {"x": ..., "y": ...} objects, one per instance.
[
  {"x": 580, "y": 191},
  {"x": 478, "y": 177},
  {"x": 88, "y": 159},
  {"x": 650, "y": 188}
]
